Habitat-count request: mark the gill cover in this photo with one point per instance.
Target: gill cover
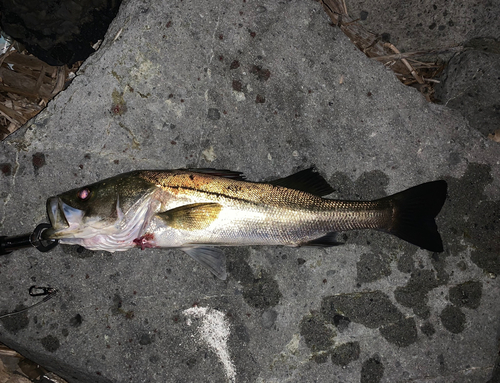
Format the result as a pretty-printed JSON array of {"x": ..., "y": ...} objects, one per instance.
[{"x": 106, "y": 208}]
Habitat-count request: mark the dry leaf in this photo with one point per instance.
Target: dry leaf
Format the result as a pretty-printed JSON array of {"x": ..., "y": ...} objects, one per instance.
[
  {"x": 4, "y": 375},
  {"x": 18, "y": 379},
  {"x": 31, "y": 369},
  {"x": 495, "y": 136}
]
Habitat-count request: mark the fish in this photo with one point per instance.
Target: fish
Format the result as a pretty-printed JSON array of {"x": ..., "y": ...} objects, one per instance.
[{"x": 200, "y": 210}]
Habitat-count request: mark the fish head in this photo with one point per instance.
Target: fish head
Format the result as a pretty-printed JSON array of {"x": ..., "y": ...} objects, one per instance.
[{"x": 90, "y": 214}]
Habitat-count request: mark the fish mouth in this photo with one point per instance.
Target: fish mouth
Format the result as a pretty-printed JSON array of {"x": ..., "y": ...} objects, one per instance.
[{"x": 63, "y": 218}]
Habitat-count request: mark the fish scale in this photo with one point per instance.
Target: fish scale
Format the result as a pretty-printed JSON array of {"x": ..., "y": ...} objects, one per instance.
[{"x": 271, "y": 214}]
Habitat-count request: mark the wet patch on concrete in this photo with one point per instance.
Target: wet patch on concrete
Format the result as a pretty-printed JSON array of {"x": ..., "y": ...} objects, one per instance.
[
  {"x": 469, "y": 217},
  {"x": 414, "y": 294},
  {"x": 401, "y": 333},
  {"x": 372, "y": 267},
  {"x": 16, "y": 322},
  {"x": 406, "y": 263},
  {"x": 428, "y": 329},
  {"x": 438, "y": 261},
  {"x": 341, "y": 322},
  {"x": 6, "y": 169},
  {"x": 213, "y": 114},
  {"x": 38, "y": 161},
  {"x": 77, "y": 251},
  {"x": 317, "y": 335},
  {"x": 262, "y": 74},
  {"x": 145, "y": 339},
  {"x": 76, "y": 321},
  {"x": 467, "y": 294},
  {"x": 372, "y": 309},
  {"x": 262, "y": 291},
  {"x": 453, "y": 319},
  {"x": 116, "y": 308},
  {"x": 372, "y": 370},
  {"x": 50, "y": 343},
  {"x": 345, "y": 353}
]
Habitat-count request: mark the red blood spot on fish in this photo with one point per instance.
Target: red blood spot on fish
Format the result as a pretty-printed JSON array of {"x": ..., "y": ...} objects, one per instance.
[{"x": 144, "y": 242}]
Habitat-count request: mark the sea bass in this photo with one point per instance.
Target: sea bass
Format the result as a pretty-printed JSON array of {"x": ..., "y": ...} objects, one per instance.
[{"x": 194, "y": 210}]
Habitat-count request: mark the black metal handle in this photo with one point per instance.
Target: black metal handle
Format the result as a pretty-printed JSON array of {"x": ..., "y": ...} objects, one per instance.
[{"x": 34, "y": 239}]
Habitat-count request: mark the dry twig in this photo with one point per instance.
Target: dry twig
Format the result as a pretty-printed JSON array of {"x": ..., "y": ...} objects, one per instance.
[
  {"x": 27, "y": 84},
  {"x": 414, "y": 73}
]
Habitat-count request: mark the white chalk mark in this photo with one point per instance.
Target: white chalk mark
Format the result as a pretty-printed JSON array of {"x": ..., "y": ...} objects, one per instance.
[{"x": 214, "y": 330}]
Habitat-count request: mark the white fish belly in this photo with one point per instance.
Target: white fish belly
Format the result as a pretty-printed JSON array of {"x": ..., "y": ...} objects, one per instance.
[{"x": 237, "y": 227}]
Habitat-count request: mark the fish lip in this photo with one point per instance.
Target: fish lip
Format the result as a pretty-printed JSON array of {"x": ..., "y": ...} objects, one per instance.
[{"x": 57, "y": 212}]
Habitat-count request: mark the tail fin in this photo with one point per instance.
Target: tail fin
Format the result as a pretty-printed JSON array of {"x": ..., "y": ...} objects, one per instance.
[{"x": 414, "y": 213}]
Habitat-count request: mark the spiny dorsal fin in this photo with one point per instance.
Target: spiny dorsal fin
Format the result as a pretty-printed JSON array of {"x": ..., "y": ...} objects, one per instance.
[
  {"x": 196, "y": 216},
  {"x": 308, "y": 180},
  {"x": 220, "y": 173}
]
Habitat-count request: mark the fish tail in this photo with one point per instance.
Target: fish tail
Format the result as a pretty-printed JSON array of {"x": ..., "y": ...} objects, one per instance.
[{"x": 414, "y": 212}]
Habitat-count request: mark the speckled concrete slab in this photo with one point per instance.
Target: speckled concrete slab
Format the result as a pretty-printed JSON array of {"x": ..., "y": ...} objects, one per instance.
[{"x": 265, "y": 88}]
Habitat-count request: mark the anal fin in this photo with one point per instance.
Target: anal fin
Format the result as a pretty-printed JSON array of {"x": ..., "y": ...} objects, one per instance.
[
  {"x": 210, "y": 257},
  {"x": 328, "y": 240}
]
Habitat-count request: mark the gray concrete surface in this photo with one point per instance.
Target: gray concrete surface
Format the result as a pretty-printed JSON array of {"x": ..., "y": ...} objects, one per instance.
[
  {"x": 470, "y": 81},
  {"x": 470, "y": 85},
  {"x": 265, "y": 88},
  {"x": 416, "y": 25}
]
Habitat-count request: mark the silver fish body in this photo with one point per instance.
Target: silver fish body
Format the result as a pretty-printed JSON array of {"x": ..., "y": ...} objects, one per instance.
[{"x": 196, "y": 210}]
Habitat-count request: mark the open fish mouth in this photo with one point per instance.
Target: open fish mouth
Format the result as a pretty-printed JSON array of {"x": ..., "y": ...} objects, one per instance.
[{"x": 63, "y": 218}]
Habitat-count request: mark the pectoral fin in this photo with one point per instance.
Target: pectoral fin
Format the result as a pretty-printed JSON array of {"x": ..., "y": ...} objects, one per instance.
[
  {"x": 196, "y": 216},
  {"x": 210, "y": 257}
]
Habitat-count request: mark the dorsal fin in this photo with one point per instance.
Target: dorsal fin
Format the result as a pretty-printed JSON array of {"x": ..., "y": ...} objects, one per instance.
[
  {"x": 308, "y": 180},
  {"x": 219, "y": 173}
]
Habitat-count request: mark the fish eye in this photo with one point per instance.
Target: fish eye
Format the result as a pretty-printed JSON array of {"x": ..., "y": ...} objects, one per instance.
[{"x": 84, "y": 194}]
